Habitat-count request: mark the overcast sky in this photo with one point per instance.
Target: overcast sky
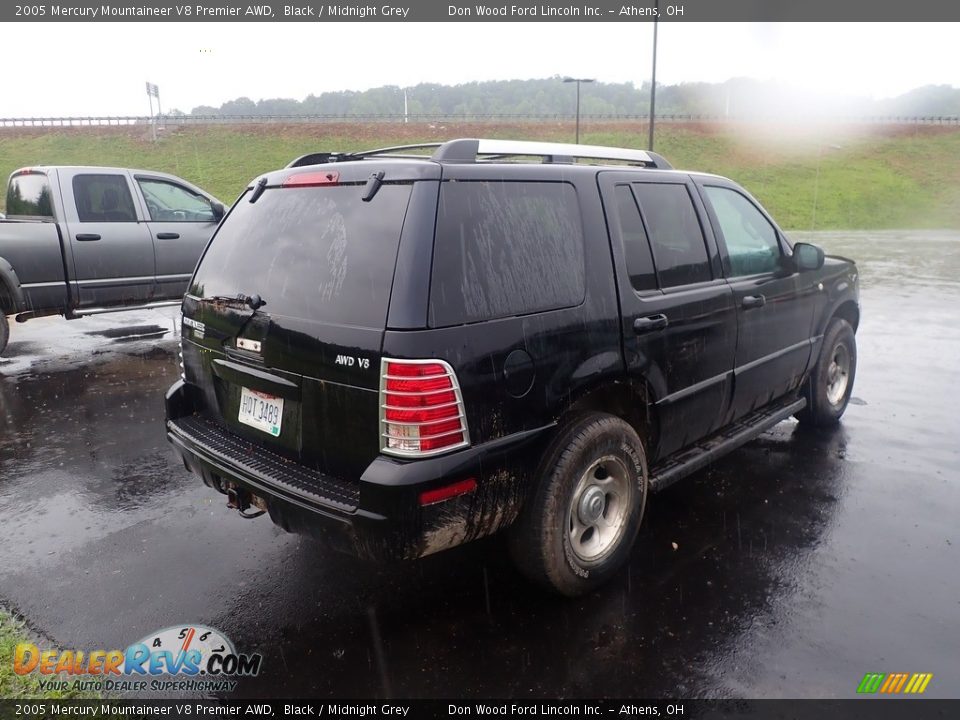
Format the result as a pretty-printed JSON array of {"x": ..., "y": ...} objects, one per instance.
[{"x": 100, "y": 68}]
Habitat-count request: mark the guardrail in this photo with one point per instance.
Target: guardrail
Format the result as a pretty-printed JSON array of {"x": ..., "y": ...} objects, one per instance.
[{"x": 184, "y": 120}]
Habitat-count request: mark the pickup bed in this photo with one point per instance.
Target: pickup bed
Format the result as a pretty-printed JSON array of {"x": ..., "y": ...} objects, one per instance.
[{"x": 82, "y": 240}]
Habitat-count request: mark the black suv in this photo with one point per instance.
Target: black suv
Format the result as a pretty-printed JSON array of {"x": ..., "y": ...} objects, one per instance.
[{"x": 403, "y": 353}]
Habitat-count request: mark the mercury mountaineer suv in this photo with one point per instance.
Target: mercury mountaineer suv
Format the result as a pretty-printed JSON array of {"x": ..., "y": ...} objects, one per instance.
[{"x": 404, "y": 353}]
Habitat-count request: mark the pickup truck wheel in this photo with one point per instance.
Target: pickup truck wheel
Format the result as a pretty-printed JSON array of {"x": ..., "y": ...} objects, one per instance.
[
  {"x": 581, "y": 520},
  {"x": 831, "y": 382},
  {"x": 4, "y": 332}
]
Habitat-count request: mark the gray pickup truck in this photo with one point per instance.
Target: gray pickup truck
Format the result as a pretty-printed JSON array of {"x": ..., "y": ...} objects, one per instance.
[{"x": 84, "y": 240}]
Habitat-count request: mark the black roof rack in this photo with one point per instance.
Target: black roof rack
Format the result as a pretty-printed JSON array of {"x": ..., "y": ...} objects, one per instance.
[
  {"x": 470, "y": 150},
  {"x": 321, "y": 158}
]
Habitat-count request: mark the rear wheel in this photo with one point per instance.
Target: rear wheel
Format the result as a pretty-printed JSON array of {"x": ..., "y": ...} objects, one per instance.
[
  {"x": 4, "y": 331},
  {"x": 581, "y": 520},
  {"x": 831, "y": 382}
]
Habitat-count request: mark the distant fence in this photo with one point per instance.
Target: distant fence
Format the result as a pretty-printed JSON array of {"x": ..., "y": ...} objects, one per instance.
[{"x": 184, "y": 120}]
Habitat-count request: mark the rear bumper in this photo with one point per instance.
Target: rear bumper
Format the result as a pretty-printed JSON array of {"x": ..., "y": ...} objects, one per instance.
[{"x": 378, "y": 515}]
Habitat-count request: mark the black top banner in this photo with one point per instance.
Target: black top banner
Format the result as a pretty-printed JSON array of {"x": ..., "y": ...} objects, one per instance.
[{"x": 459, "y": 11}]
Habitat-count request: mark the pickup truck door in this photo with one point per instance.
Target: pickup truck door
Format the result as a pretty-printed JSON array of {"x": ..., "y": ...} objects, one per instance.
[
  {"x": 679, "y": 322},
  {"x": 181, "y": 222},
  {"x": 111, "y": 251},
  {"x": 775, "y": 303}
]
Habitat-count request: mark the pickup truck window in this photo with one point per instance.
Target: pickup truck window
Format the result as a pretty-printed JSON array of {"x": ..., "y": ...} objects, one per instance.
[
  {"x": 675, "y": 233},
  {"x": 636, "y": 246},
  {"x": 169, "y": 202},
  {"x": 28, "y": 195},
  {"x": 505, "y": 248},
  {"x": 751, "y": 241},
  {"x": 103, "y": 198}
]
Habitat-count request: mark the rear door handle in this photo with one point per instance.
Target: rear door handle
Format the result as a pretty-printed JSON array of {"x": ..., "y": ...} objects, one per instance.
[
  {"x": 753, "y": 301},
  {"x": 650, "y": 324},
  {"x": 167, "y": 236},
  {"x": 85, "y": 237}
]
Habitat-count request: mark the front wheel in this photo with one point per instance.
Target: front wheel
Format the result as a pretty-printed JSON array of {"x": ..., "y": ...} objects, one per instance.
[
  {"x": 4, "y": 331},
  {"x": 581, "y": 520},
  {"x": 831, "y": 382}
]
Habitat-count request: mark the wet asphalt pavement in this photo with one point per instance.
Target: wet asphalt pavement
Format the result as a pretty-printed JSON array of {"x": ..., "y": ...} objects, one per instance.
[{"x": 802, "y": 561}]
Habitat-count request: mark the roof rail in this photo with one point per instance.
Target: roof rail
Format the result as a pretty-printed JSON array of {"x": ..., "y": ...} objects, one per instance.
[
  {"x": 321, "y": 158},
  {"x": 470, "y": 150}
]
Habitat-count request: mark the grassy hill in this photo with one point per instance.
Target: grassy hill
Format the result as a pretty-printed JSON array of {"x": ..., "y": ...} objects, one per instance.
[{"x": 875, "y": 177}]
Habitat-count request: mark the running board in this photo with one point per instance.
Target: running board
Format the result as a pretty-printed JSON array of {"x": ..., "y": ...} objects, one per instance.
[
  {"x": 731, "y": 437},
  {"x": 83, "y": 312}
]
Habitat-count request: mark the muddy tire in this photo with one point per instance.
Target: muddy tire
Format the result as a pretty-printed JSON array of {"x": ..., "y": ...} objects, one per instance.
[
  {"x": 581, "y": 519},
  {"x": 831, "y": 382},
  {"x": 4, "y": 332}
]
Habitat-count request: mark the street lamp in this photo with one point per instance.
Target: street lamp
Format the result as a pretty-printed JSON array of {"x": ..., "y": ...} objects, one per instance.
[
  {"x": 578, "y": 81},
  {"x": 653, "y": 79}
]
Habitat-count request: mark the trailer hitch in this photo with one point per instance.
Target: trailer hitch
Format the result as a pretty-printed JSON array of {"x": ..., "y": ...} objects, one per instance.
[{"x": 239, "y": 500}]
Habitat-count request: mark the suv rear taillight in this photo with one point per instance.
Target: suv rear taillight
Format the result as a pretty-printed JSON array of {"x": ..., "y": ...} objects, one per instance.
[{"x": 421, "y": 408}]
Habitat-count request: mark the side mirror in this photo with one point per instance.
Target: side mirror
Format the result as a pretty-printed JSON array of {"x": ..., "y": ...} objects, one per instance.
[
  {"x": 218, "y": 210},
  {"x": 808, "y": 256}
]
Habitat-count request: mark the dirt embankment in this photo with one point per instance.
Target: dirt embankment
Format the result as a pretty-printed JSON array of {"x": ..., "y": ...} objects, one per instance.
[{"x": 417, "y": 131}]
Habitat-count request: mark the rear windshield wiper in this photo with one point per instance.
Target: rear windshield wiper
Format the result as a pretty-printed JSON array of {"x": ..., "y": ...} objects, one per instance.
[{"x": 254, "y": 302}]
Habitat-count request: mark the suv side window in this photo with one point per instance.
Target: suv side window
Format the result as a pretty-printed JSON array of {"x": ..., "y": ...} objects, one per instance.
[
  {"x": 675, "y": 233},
  {"x": 505, "y": 248},
  {"x": 751, "y": 240},
  {"x": 636, "y": 246},
  {"x": 103, "y": 198},
  {"x": 169, "y": 202}
]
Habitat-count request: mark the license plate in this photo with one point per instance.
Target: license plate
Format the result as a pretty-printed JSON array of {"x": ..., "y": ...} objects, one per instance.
[{"x": 262, "y": 411}]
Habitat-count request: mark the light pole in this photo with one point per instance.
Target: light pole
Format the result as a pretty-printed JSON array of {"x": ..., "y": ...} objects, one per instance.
[
  {"x": 578, "y": 81},
  {"x": 653, "y": 79}
]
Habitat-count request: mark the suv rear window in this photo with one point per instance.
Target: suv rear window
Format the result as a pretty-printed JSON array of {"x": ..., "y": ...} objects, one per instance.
[
  {"x": 505, "y": 248},
  {"x": 678, "y": 248},
  {"x": 28, "y": 195},
  {"x": 314, "y": 253},
  {"x": 636, "y": 247}
]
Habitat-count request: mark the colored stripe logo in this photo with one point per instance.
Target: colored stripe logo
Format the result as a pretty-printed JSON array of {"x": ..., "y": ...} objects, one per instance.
[{"x": 895, "y": 683}]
